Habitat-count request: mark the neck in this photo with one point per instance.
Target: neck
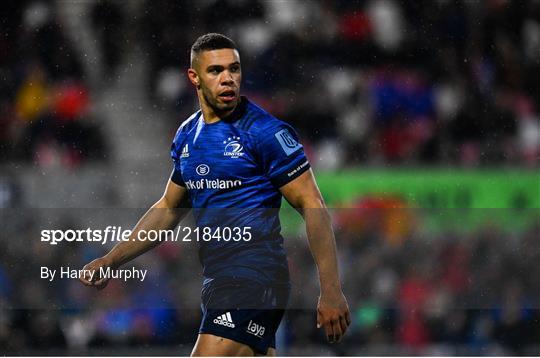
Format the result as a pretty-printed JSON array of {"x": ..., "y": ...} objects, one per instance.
[{"x": 209, "y": 114}]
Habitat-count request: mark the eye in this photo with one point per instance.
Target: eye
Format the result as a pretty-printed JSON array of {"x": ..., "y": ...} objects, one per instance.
[
  {"x": 214, "y": 71},
  {"x": 235, "y": 69}
]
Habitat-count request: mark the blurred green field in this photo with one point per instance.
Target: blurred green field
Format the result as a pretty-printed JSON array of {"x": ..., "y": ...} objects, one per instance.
[
  {"x": 439, "y": 199},
  {"x": 435, "y": 188}
]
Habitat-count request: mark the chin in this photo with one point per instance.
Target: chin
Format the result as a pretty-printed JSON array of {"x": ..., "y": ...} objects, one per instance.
[{"x": 227, "y": 106}]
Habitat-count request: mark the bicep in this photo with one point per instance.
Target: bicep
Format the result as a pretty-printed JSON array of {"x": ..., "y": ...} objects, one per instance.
[{"x": 303, "y": 192}]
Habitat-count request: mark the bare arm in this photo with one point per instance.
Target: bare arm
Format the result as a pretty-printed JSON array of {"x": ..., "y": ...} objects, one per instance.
[
  {"x": 163, "y": 215},
  {"x": 332, "y": 311}
]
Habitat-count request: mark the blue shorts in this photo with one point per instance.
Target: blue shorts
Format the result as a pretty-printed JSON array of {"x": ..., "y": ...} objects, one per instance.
[{"x": 244, "y": 311}]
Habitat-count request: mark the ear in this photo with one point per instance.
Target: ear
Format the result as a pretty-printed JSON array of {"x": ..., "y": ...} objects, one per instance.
[{"x": 194, "y": 77}]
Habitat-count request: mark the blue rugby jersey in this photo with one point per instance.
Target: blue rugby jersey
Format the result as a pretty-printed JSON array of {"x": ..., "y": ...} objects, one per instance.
[{"x": 237, "y": 165}]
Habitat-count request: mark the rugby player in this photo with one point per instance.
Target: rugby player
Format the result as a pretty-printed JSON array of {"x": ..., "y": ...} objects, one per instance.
[{"x": 232, "y": 154}]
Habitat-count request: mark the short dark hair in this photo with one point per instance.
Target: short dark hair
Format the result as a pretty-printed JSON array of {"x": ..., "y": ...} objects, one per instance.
[{"x": 209, "y": 42}]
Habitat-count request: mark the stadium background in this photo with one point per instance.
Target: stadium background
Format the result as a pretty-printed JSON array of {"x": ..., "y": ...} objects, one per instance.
[{"x": 420, "y": 119}]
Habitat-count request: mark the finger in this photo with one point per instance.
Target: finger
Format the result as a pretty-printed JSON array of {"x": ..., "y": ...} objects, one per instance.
[
  {"x": 97, "y": 275},
  {"x": 85, "y": 279},
  {"x": 100, "y": 281},
  {"x": 86, "y": 274},
  {"x": 85, "y": 282},
  {"x": 348, "y": 317},
  {"x": 103, "y": 285},
  {"x": 343, "y": 325},
  {"x": 329, "y": 331},
  {"x": 337, "y": 330}
]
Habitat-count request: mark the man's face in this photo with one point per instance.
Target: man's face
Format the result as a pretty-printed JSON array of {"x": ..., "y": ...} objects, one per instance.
[{"x": 219, "y": 76}]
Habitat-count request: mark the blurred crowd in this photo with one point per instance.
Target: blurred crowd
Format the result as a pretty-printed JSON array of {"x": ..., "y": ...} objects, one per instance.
[
  {"x": 410, "y": 291},
  {"x": 436, "y": 293},
  {"x": 45, "y": 100},
  {"x": 374, "y": 82},
  {"x": 364, "y": 82}
]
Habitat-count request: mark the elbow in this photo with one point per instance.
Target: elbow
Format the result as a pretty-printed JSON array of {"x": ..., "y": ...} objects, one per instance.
[
  {"x": 163, "y": 203},
  {"x": 315, "y": 202},
  {"x": 313, "y": 205}
]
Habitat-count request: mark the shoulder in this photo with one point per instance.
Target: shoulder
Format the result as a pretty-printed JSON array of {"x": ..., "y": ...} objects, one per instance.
[
  {"x": 187, "y": 126},
  {"x": 260, "y": 123}
]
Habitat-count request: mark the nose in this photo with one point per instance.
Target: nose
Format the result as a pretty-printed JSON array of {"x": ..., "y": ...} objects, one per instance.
[{"x": 227, "y": 78}]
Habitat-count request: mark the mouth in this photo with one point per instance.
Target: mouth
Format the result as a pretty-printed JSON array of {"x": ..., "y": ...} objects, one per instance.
[{"x": 227, "y": 96}]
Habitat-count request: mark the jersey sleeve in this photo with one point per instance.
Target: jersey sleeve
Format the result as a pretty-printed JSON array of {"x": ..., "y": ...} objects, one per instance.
[
  {"x": 176, "y": 175},
  {"x": 283, "y": 157}
]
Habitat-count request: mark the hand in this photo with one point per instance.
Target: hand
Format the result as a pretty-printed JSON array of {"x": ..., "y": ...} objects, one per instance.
[
  {"x": 94, "y": 267},
  {"x": 333, "y": 314}
]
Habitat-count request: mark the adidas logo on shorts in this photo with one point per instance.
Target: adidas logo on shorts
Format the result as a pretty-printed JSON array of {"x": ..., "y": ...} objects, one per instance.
[{"x": 225, "y": 320}]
